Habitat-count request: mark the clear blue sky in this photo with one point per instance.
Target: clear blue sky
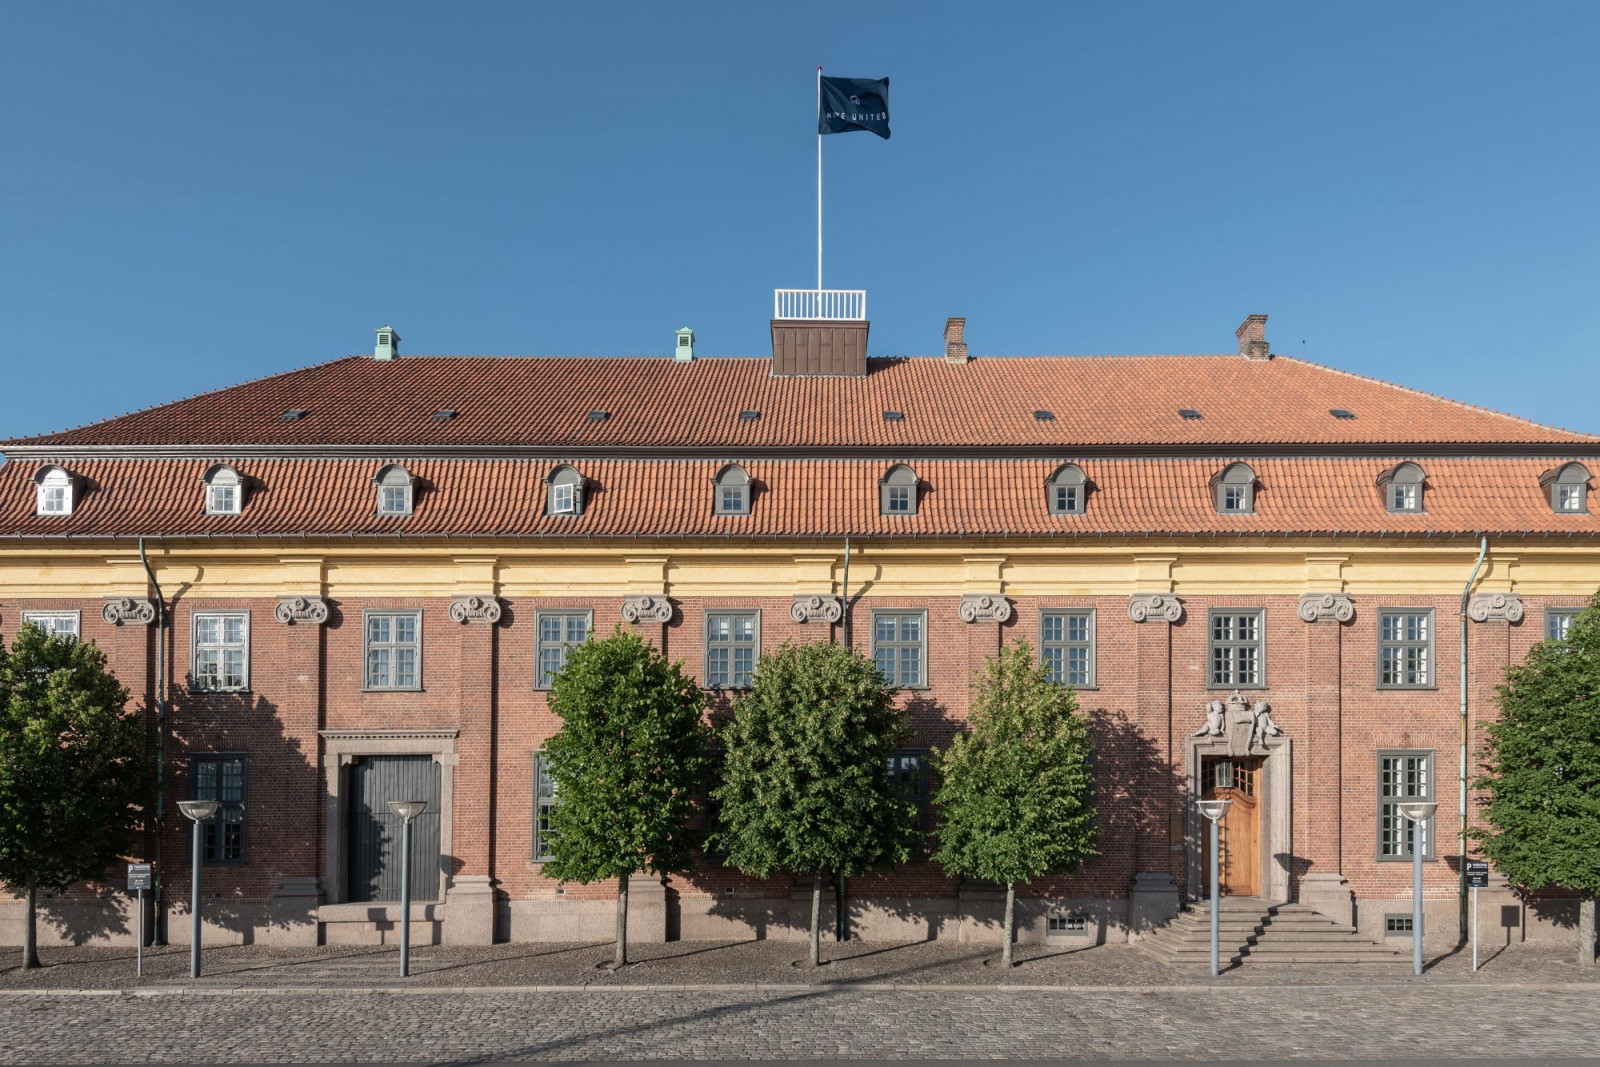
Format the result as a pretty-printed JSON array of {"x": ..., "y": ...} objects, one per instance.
[{"x": 196, "y": 194}]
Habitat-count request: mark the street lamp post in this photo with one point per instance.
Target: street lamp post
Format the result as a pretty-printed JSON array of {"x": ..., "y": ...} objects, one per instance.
[
  {"x": 1214, "y": 811},
  {"x": 407, "y": 810},
  {"x": 198, "y": 812},
  {"x": 1418, "y": 812}
]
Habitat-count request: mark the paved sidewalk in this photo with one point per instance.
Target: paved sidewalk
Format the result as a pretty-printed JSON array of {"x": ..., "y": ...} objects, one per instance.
[{"x": 738, "y": 964}]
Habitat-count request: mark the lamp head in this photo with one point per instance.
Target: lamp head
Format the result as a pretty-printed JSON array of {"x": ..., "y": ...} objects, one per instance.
[
  {"x": 1214, "y": 809},
  {"x": 1418, "y": 811},
  {"x": 198, "y": 810},
  {"x": 407, "y": 809}
]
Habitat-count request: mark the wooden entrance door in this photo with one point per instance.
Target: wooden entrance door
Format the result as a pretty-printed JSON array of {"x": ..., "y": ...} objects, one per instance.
[
  {"x": 1239, "y": 832},
  {"x": 374, "y": 832}
]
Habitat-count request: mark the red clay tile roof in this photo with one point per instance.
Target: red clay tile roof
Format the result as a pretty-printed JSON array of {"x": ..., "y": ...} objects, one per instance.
[
  {"x": 1097, "y": 401},
  {"x": 799, "y": 498}
]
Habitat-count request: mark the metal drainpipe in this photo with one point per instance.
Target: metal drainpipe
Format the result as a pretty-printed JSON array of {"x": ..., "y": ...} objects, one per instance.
[
  {"x": 1466, "y": 593},
  {"x": 159, "y": 933},
  {"x": 839, "y": 931}
]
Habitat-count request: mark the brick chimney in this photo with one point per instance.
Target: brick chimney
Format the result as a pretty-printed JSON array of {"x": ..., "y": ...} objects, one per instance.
[
  {"x": 955, "y": 340},
  {"x": 1252, "y": 334}
]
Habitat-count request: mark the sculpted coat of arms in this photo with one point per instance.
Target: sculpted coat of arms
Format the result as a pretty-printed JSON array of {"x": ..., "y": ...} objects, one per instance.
[{"x": 1244, "y": 723}]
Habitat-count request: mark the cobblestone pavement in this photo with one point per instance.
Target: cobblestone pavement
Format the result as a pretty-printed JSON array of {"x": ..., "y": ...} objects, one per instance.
[
  {"x": 1370, "y": 1020},
  {"x": 739, "y": 963}
]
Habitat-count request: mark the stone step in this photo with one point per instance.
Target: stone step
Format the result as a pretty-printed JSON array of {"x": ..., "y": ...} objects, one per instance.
[{"x": 1262, "y": 932}]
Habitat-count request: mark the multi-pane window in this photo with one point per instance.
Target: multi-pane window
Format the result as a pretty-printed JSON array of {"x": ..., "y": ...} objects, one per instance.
[
  {"x": 732, "y": 642},
  {"x": 394, "y": 649},
  {"x": 559, "y": 631},
  {"x": 544, "y": 799},
  {"x": 1569, "y": 498},
  {"x": 561, "y": 498},
  {"x": 1403, "y": 776},
  {"x": 1066, "y": 489},
  {"x": 1405, "y": 649},
  {"x": 394, "y": 500},
  {"x": 899, "y": 498},
  {"x": 897, "y": 491},
  {"x": 1235, "y": 498},
  {"x": 54, "y": 623},
  {"x": 1402, "y": 487},
  {"x": 221, "y": 778},
  {"x": 221, "y": 651},
  {"x": 732, "y": 491},
  {"x": 1557, "y": 623},
  {"x": 224, "y": 491},
  {"x": 908, "y": 777},
  {"x": 1404, "y": 496},
  {"x": 54, "y": 496},
  {"x": 897, "y": 647},
  {"x": 1066, "y": 647},
  {"x": 1235, "y": 488},
  {"x": 1236, "y": 649}
]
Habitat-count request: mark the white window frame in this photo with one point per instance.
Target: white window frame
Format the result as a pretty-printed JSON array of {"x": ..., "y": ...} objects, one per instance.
[
  {"x": 1572, "y": 504},
  {"x": 1400, "y": 850},
  {"x": 541, "y": 644},
  {"x": 392, "y": 645},
  {"x": 54, "y": 487},
  {"x": 563, "y": 498},
  {"x": 221, "y": 646},
  {"x": 230, "y": 481},
  {"x": 1234, "y": 646},
  {"x": 50, "y": 622},
  {"x": 544, "y": 799},
  {"x": 394, "y": 501},
  {"x": 1403, "y": 644}
]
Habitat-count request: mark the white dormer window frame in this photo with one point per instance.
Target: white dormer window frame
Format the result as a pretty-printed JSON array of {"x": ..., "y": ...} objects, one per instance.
[
  {"x": 1067, "y": 490},
  {"x": 224, "y": 491},
  {"x": 1235, "y": 490},
  {"x": 1404, "y": 489},
  {"x": 564, "y": 492},
  {"x": 396, "y": 491},
  {"x": 54, "y": 492},
  {"x": 897, "y": 492},
  {"x": 731, "y": 491},
  {"x": 1567, "y": 488}
]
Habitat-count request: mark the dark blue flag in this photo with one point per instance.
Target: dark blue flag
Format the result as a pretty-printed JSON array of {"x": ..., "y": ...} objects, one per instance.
[{"x": 854, "y": 104}]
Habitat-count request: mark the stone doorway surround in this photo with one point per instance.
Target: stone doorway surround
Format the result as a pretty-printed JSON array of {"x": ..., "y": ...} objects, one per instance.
[
  {"x": 340, "y": 749},
  {"x": 1243, "y": 729}
]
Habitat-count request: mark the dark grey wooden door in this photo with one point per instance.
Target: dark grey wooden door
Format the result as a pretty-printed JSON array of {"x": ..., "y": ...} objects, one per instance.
[{"x": 374, "y": 832}]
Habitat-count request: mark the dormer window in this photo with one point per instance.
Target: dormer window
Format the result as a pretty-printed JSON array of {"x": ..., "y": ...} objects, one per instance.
[
  {"x": 224, "y": 490},
  {"x": 1235, "y": 489},
  {"x": 1568, "y": 488},
  {"x": 897, "y": 491},
  {"x": 731, "y": 488},
  {"x": 1066, "y": 489},
  {"x": 1402, "y": 487},
  {"x": 55, "y": 491},
  {"x": 396, "y": 490},
  {"x": 563, "y": 491}
]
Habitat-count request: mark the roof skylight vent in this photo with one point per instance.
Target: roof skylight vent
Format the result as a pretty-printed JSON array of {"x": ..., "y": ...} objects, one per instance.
[
  {"x": 294, "y": 414},
  {"x": 1044, "y": 416},
  {"x": 749, "y": 415},
  {"x": 894, "y": 416},
  {"x": 444, "y": 414},
  {"x": 1341, "y": 413},
  {"x": 598, "y": 416},
  {"x": 1190, "y": 413}
]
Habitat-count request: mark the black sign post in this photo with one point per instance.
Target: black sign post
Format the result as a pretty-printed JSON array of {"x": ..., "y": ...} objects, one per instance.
[
  {"x": 1477, "y": 875},
  {"x": 139, "y": 879}
]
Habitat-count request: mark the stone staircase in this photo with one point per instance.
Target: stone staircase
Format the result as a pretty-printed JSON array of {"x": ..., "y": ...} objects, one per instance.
[{"x": 1260, "y": 932}]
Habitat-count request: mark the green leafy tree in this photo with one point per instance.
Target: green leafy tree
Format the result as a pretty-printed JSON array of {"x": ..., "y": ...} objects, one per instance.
[
  {"x": 74, "y": 775},
  {"x": 1542, "y": 772},
  {"x": 1016, "y": 794},
  {"x": 805, "y": 780},
  {"x": 629, "y": 756}
]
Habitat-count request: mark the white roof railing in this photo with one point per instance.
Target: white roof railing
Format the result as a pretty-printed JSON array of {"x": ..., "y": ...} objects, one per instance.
[{"x": 827, "y": 304}]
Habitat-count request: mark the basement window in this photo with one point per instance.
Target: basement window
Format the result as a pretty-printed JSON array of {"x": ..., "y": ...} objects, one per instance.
[
  {"x": 1397, "y": 926},
  {"x": 1067, "y": 922}
]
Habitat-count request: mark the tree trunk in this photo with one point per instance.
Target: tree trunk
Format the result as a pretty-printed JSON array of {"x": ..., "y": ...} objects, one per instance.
[
  {"x": 1586, "y": 931},
  {"x": 30, "y": 938},
  {"x": 1011, "y": 925},
  {"x": 816, "y": 920},
  {"x": 622, "y": 922}
]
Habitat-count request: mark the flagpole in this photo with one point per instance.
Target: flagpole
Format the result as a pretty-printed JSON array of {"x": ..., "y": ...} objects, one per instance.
[{"x": 819, "y": 181}]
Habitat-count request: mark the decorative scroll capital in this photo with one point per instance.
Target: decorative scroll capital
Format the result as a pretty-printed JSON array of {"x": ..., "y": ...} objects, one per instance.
[
  {"x": 646, "y": 609},
  {"x": 1314, "y": 607},
  {"x": 817, "y": 607},
  {"x": 989, "y": 607},
  {"x": 470, "y": 609},
  {"x": 293, "y": 609},
  {"x": 1145, "y": 606},
  {"x": 1495, "y": 606},
  {"x": 121, "y": 609}
]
